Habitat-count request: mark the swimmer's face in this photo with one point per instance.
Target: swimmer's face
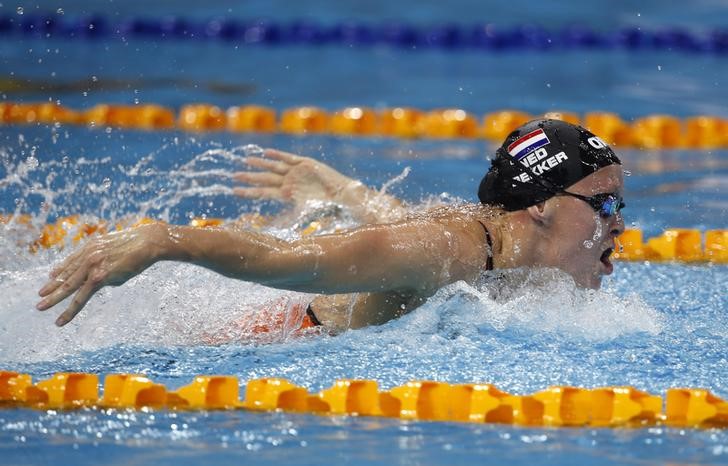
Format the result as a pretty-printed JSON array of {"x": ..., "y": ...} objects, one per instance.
[{"x": 583, "y": 240}]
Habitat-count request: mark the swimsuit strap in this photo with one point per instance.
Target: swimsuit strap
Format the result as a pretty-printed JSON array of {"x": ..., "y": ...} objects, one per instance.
[
  {"x": 489, "y": 261},
  {"x": 312, "y": 316}
]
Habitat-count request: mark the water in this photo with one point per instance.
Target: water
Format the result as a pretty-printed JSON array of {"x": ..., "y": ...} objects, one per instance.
[{"x": 653, "y": 326}]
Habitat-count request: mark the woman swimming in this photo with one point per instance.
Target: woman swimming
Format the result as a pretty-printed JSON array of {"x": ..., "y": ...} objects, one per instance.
[{"x": 551, "y": 198}]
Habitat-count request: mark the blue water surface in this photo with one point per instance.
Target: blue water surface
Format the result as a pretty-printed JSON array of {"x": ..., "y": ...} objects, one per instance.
[{"x": 653, "y": 326}]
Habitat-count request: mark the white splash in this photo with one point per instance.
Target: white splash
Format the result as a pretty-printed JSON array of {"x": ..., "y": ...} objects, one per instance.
[{"x": 541, "y": 302}]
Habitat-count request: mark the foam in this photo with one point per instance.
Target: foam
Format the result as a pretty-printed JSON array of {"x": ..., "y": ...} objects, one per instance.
[{"x": 173, "y": 304}]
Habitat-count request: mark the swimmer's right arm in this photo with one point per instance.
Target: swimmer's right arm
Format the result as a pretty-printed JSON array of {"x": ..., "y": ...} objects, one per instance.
[
  {"x": 293, "y": 178},
  {"x": 375, "y": 258}
]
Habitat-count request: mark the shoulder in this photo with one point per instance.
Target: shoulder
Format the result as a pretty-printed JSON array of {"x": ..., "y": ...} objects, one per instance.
[{"x": 462, "y": 231}]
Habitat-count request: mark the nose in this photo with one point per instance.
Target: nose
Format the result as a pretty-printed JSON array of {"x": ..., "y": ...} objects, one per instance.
[{"x": 616, "y": 224}]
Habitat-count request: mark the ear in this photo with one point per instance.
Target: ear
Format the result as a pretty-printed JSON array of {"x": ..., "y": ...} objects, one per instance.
[{"x": 538, "y": 213}]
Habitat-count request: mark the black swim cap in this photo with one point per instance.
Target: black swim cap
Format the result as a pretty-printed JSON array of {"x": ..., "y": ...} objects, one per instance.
[{"x": 540, "y": 159}]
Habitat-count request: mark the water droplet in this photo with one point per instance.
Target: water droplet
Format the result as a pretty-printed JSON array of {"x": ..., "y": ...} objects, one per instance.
[
  {"x": 20, "y": 10},
  {"x": 548, "y": 85},
  {"x": 60, "y": 11},
  {"x": 108, "y": 130},
  {"x": 588, "y": 244},
  {"x": 627, "y": 173},
  {"x": 106, "y": 183},
  {"x": 65, "y": 160},
  {"x": 659, "y": 67},
  {"x": 94, "y": 79},
  {"x": 32, "y": 163}
]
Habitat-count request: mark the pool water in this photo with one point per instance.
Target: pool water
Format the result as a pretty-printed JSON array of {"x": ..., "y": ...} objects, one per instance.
[{"x": 652, "y": 326}]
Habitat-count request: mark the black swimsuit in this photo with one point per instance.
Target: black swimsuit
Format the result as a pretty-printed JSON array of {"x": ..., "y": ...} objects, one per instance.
[
  {"x": 489, "y": 261},
  {"x": 488, "y": 266},
  {"x": 312, "y": 316}
]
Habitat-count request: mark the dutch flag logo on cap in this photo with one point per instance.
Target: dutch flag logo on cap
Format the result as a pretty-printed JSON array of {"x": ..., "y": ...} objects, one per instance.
[{"x": 527, "y": 144}]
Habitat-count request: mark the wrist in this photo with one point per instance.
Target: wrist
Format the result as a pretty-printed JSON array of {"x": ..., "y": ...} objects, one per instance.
[
  {"x": 158, "y": 241},
  {"x": 353, "y": 191}
]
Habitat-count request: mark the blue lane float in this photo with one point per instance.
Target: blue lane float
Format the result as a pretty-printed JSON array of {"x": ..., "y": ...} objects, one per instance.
[{"x": 485, "y": 36}]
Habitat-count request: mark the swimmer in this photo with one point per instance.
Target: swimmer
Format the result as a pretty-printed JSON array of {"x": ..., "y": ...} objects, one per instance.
[{"x": 552, "y": 198}]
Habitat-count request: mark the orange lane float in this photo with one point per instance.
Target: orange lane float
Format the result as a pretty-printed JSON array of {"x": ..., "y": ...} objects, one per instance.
[
  {"x": 498, "y": 125},
  {"x": 610, "y": 127},
  {"x": 202, "y": 118},
  {"x": 450, "y": 123},
  {"x": 559, "y": 406},
  {"x": 132, "y": 391},
  {"x": 691, "y": 407},
  {"x": 706, "y": 132},
  {"x": 675, "y": 244},
  {"x": 304, "y": 120},
  {"x": 251, "y": 118},
  {"x": 146, "y": 117},
  {"x": 651, "y": 132},
  {"x": 401, "y": 122},
  {"x": 360, "y": 121},
  {"x": 657, "y": 132}
]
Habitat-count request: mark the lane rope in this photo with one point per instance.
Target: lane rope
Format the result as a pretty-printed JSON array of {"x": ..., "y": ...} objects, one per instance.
[
  {"x": 445, "y": 36},
  {"x": 649, "y": 132},
  {"x": 558, "y": 406}
]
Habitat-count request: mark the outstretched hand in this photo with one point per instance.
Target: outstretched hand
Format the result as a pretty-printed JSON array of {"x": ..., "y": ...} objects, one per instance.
[
  {"x": 110, "y": 259},
  {"x": 290, "y": 178}
]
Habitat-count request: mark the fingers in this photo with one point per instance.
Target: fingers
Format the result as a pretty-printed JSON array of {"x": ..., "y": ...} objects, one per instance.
[
  {"x": 286, "y": 157},
  {"x": 64, "y": 289},
  {"x": 57, "y": 281},
  {"x": 63, "y": 265},
  {"x": 259, "y": 178},
  {"x": 275, "y": 166},
  {"x": 60, "y": 274},
  {"x": 259, "y": 193},
  {"x": 78, "y": 302}
]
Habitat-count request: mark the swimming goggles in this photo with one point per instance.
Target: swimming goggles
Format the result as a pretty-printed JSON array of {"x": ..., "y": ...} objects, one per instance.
[{"x": 606, "y": 204}]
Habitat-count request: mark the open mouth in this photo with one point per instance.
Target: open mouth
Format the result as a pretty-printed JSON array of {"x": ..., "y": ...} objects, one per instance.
[{"x": 604, "y": 259}]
